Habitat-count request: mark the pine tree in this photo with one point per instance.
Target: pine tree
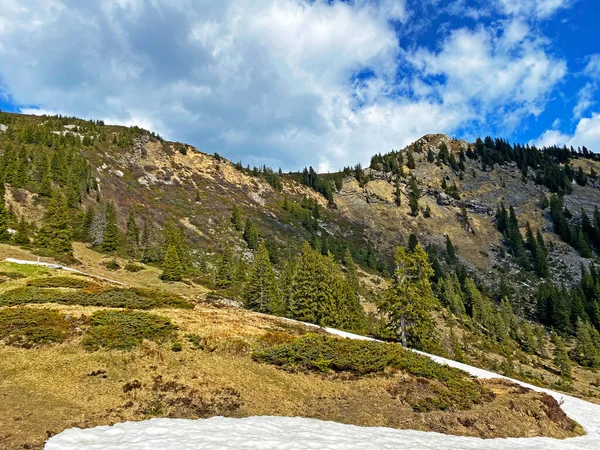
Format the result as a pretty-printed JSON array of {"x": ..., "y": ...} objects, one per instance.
[
  {"x": 410, "y": 161},
  {"x": 413, "y": 199},
  {"x": 88, "y": 219},
  {"x": 408, "y": 302},
  {"x": 172, "y": 270},
  {"x": 561, "y": 358},
  {"x": 303, "y": 304},
  {"x": 174, "y": 235},
  {"x": 585, "y": 351},
  {"x": 225, "y": 275},
  {"x": 22, "y": 235},
  {"x": 56, "y": 233},
  {"x": 132, "y": 236},
  {"x": 450, "y": 251},
  {"x": 147, "y": 249},
  {"x": 236, "y": 219},
  {"x": 4, "y": 234},
  {"x": 110, "y": 237},
  {"x": 261, "y": 292},
  {"x": 251, "y": 234}
]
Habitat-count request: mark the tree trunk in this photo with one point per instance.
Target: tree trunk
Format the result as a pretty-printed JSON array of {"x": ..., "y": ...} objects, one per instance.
[{"x": 403, "y": 331}]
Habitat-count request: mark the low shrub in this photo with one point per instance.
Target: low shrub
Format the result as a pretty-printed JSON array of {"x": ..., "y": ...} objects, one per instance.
[
  {"x": 123, "y": 330},
  {"x": 132, "y": 298},
  {"x": 134, "y": 268},
  {"x": 26, "y": 327},
  {"x": 12, "y": 275},
  {"x": 62, "y": 282},
  {"x": 111, "y": 265},
  {"x": 456, "y": 389}
]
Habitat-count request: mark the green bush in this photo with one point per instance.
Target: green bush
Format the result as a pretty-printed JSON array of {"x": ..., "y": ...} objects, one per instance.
[
  {"x": 135, "y": 268},
  {"x": 12, "y": 275},
  {"x": 132, "y": 298},
  {"x": 62, "y": 282},
  {"x": 25, "y": 327},
  {"x": 111, "y": 265},
  {"x": 323, "y": 353},
  {"x": 123, "y": 330}
]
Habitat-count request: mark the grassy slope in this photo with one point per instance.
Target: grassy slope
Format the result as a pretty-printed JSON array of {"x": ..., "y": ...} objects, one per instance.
[{"x": 47, "y": 389}]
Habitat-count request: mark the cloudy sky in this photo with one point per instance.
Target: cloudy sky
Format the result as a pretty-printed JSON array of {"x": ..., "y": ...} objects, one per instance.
[{"x": 309, "y": 82}]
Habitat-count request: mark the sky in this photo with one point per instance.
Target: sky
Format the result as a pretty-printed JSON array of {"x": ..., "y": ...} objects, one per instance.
[{"x": 326, "y": 83}]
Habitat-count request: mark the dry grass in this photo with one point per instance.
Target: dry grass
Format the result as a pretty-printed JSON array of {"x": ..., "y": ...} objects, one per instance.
[{"x": 48, "y": 389}]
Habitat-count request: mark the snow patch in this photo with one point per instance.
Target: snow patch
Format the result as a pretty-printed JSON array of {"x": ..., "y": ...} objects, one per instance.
[
  {"x": 3, "y": 128},
  {"x": 269, "y": 432}
]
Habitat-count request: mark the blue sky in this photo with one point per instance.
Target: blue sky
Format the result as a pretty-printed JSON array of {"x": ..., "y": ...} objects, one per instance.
[{"x": 325, "y": 83}]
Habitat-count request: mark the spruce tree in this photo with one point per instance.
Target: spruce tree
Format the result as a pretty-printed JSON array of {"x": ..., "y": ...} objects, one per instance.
[
  {"x": 225, "y": 275},
  {"x": 110, "y": 237},
  {"x": 303, "y": 301},
  {"x": 585, "y": 351},
  {"x": 261, "y": 292},
  {"x": 172, "y": 270},
  {"x": 4, "y": 234},
  {"x": 236, "y": 218},
  {"x": 450, "y": 251},
  {"x": 413, "y": 198},
  {"x": 409, "y": 302},
  {"x": 410, "y": 161},
  {"x": 132, "y": 236},
  {"x": 561, "y": 358},
  {"x": 22, "y": 235},
  {"x": 251, "y": 234},
  {"x": 175, "y": 235},
  {"x": 56, "y": 232}
]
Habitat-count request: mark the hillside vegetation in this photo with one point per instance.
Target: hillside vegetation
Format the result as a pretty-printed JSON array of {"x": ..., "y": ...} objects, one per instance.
[{"x": 483, "y": 252}]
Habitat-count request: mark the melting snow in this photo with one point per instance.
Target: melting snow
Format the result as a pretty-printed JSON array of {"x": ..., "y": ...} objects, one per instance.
[{"x": 284, "y": 433}]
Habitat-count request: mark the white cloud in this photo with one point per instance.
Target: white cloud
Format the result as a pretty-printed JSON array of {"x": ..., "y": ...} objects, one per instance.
[
  {"x": 585, "y": 98},
  {"x": 505, "y": 69},
  {"x": 592, "y": 68},
  {"x": 270, "y": 81},
  {"x": 586, "y": 133},
  {"x": 540, "y": 9}
]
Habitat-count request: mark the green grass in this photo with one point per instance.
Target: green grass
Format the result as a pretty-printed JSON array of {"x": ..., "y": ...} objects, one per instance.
[
  {"x": 132, "y": 298},
  {"x": 123, "y": 330},
  {"x": 453, "y": 388},
  {"x": 25, "y": 327},
  {"x": 23, "y": 269}
]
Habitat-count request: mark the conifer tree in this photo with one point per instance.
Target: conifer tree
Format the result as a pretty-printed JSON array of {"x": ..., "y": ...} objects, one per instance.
[
  {"x": 585, "y": 351},
  {"x": 172, "y": 270},
  {"x": 410, "y": 161},
  {"x": 261, "y": 292},
  {"x": 236, "y": 219},
  {"x": 303, "y": 301},
  {"x": 408, "y": 302},
  {"x": 148, "y": 253},
  {"x": 86, "y": 226},
  {"x": 132, "y": 236},
  {"x": 225, "y": 275},
  {"x": 4, "y": 234},
  {"x": 251, "y": 234},
  {"x": 56, "y": 233},
  {"x": 22, "y": 235},
  {"x": 450, "y": 251},
  {"x": 561, "y": 358},
  {"x": 413, "y": 198},
  {"x": 110, "y": 237},
  {"x": 174, "y": 235},
  {"x": 413, "y": 241}
]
